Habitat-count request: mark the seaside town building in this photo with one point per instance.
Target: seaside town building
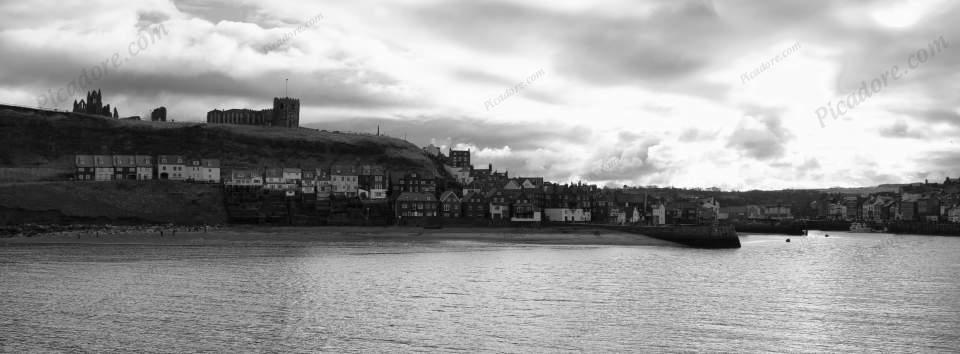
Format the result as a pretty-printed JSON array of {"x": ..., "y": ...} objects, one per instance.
[
  {"x": 953, "y": 214},
  {"x": 203, "y": 170},
  {"x": 460, "y": 174},
  {"x": 85, "y": 168},
  {"x": 103, "y": 167},
  {"x": 475, "y": 205},
  {"x": 450, "y": 205},
  {"x": 274, "y": 180},
  {"x": 524, "y": 209},
  {"x": 414, "y": 182},
  {"x": 566, "y": 215},
  {"x": 308, "y": 182},
  {"x": 194, "y": 171},
  {"x": 144, "y": 167},
  {"x": 292, "y": 175},
  {"x": 617, "y": 215},
  {"x": 211, "y": 170},
  {"x": 499, "y": 205},
  {"x": 171, "y": 167},
  {"x": 124, "y": 167},
  {"x": 373, "y": 181},
  {"x": 244, "y": 178},
  {"x": 472, "y": 187},
  {"x": 415, "y": 204},
  {"x": 460, "y": 158},
  {"x": 324, "y": 184},
  {"x": 658, "y": 214},
  {"x": 345, "y": 180}
]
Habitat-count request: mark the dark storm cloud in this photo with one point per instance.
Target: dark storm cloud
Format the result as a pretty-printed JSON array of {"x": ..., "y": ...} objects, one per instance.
[{"x": 217, "y": 10}]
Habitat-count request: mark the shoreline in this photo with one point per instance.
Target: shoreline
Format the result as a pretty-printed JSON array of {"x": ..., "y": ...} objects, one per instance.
[{"x": 305, "y": 236}]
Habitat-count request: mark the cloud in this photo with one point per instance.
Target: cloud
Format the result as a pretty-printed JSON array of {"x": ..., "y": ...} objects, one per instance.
[
  {"x": 694, "y": 135},
  {"x": 900, "y": 129},
  {"x": 628, "y": 159},
  {"x": 761, "y": 134},
  {"x": 467, "y": 75}
]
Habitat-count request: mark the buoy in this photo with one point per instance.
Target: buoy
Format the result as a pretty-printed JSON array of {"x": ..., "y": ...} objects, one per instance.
[
  {"x": 827, "y": 235},
  {"x": 788, "y": 240}
]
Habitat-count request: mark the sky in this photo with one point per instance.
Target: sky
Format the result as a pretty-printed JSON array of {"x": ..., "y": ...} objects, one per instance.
[{"x": 731, "y": 94}]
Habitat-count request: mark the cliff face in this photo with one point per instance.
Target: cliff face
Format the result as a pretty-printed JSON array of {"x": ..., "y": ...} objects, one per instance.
[{"x": 46, "y": 139}]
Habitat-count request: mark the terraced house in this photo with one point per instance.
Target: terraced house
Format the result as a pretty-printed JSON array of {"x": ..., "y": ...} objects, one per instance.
[
  {"x": 414, "y": 204},
  {"x": 144, "y": 167},
  {"x": 345, "y": 180},
  {"x": 103, "y": 167},
  {"x": 85, "y": 169},
  {"x": 124, "y": 167},
  {"x": 171, "y": 167},
  {"x": 449, "y": 205}
]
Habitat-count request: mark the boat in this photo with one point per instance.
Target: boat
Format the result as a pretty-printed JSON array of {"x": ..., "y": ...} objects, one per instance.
[{"x": 861, "y": 227}]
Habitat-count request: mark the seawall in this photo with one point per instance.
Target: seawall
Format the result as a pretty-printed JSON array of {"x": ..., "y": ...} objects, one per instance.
[
  {"x": 919, "y": 228},
  {"x": 785, "y": 228},
  {"x": 117, "y": 203},
  {"x": 699, "y": 236}
]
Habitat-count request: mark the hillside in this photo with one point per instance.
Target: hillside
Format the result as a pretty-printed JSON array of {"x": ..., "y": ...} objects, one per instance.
[{"x": 47, "y": 140}]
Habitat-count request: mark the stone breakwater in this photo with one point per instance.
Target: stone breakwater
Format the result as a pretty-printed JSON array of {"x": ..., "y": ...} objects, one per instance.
[{"x": 698, "y": 236}]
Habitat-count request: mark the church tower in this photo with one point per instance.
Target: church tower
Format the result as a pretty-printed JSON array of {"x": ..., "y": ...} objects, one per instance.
[{"x": 286, "y": 112}]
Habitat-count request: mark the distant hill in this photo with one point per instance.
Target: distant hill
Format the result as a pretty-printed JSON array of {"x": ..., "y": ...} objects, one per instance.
[
  {"x": 47, "y": 139},
  {"x": 863, "y": 190}
]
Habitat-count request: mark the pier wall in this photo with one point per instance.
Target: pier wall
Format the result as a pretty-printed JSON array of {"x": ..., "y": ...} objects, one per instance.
[{"x": 699, "y": 236}]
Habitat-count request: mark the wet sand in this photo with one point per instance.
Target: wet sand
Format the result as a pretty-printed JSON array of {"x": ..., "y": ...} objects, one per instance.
[{"x": 260, "y": 235}]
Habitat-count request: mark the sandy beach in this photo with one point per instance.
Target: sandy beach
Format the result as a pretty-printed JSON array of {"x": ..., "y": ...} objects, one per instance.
[{"x": 268, "y": 235}]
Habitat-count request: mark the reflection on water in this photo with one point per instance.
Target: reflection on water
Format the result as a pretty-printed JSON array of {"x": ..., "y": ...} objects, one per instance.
[{"x": 842, "y": 293}]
